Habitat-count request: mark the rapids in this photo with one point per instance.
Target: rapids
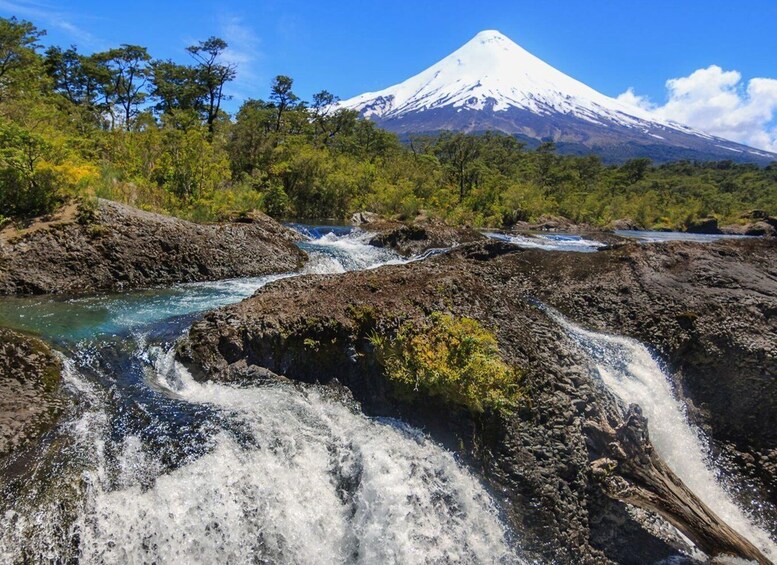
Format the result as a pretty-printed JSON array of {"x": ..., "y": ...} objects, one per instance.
[
  {"x": 549, "y": 242},
  {"x": 629, "y": 370},
  {"x": 151, "y": 466}
]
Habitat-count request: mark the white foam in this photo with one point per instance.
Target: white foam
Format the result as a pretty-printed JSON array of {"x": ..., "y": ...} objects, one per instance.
[
  {"x": 629, "y": 370},
  {"x": 550, "y": 242},
  {"x": 310, "y": 481}
]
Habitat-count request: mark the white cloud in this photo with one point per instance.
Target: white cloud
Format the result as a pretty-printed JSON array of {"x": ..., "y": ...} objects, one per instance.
[
  {"x": 721, "y": 103},
  {"x": 631, "y": 98},
  {"x": 243, "y": 51},
  {"x": 51, "y": 17}
]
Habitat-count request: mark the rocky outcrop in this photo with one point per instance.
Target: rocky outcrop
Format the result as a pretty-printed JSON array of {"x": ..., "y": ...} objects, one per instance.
[
  {"x": 703, "y": 226},
  {"x": 118, "y": 247},
  {"x": 755, "y": 222},
  {"x": 548, "y": 223},
  {"x": 711, "y": 312},
  {"x": 569, "y": 462},
  {"x": 759, "y": 228},
  {"x": 623, "y": 224},
  {"x": 418, "y": 237},
  {"x": 364, "y": 217},
  {"x": 29, "y": 389}
]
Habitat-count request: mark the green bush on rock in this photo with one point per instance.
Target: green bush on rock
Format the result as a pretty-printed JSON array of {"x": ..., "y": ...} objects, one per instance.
[{"x": 455, "y": 358}]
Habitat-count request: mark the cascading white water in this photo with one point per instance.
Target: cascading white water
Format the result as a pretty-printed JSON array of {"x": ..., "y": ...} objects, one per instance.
[
  {"x": 629, "y": 370},
  {"x": 550, "y": 242},
  {"x": 294, "y": 476},
  {"x": 309, "y": 481},
  {"x": 204, "y": 473}
]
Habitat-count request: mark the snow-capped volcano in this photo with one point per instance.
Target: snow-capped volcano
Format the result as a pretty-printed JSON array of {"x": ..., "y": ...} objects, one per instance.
[{"x": 491, "y": 83}]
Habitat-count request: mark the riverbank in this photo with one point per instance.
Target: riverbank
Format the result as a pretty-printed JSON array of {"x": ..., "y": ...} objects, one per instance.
[{"x": 117, "y": 247}]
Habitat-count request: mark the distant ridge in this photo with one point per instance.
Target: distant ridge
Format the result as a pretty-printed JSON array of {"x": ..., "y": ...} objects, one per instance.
[{"x": 491, "y": 83}]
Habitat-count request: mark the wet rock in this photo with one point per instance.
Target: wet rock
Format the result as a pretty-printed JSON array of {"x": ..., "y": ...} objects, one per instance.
[
  {"x": 759, "y": 228},
  {"x": 29, "y": 390},
  {"x": 118, "y": 247},
  {"x": 418, "y": 237},
  {"x": 548, "y": 223},
  {"x": 703, "y": 226},
  {"x": 361, "y": 218},
  {"x": 631, "y": 471},
  {"x": 708, "y": 308}
]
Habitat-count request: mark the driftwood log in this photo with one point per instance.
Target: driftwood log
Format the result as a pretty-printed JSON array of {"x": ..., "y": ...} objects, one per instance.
[{"x": 630, "y": 471}]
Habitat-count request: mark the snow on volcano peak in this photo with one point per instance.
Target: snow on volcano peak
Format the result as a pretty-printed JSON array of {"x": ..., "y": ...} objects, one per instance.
[
  {"x": 492, "y": 72},
  {"x": 492, "y": 83}
]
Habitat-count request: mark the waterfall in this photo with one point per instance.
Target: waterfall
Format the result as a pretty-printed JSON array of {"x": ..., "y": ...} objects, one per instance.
[
  {"x": 289, "y": 475},
  {"x": 155, "y": 467},
  {"x": 629, "y": 370}
]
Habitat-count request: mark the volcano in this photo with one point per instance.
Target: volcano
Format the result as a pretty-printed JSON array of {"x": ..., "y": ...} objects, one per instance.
[{"x": 493, "y": 84}]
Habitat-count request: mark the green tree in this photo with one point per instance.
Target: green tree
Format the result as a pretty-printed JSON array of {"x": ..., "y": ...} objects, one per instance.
[
  {"x": 283, "y": 97},
  {"x": 251, "y": 137},
  {"x": 634, "y": 170},
  {"x": 459, "y": 153},
  {"x": 128, "y": 72},
  {"x": 175, "y": 87},
  {"x": 18, "y": 51},
  {"x": 26, "y": 189},
  {"x": 82, "y": 81},
  {"x": 329, "y": 120},
  {"x": 212, "y": 75}
]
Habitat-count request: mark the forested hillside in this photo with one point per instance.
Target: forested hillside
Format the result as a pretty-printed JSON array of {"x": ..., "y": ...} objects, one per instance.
[{"x": 122, "y": 125}]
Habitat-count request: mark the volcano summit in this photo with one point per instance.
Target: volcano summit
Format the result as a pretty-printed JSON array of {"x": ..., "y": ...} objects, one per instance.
[{"x": 491, "y": 83}]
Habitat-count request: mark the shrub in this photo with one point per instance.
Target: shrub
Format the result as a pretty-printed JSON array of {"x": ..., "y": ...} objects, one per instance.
[{"x": 456, "y": 359}]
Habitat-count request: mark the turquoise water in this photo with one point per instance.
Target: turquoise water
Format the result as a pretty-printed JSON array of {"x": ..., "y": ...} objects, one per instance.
[
  {"x": 78, "y": 318},
  {"x": 72, "y": 319},
  {"x": 153, "y": 467}
]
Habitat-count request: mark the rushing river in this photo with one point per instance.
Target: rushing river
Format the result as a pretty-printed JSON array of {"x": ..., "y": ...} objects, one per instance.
[
  {"x": 629, "y": 370},
  {"x": 150, "y": 466}
]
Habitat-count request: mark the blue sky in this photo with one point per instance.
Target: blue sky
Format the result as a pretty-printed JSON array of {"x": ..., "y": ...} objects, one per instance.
[{"x": 349, "y": 47}]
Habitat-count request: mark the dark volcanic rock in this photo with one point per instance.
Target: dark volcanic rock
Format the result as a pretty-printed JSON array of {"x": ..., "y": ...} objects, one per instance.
[
  {"x": 711, "y": 312},
  {"x": 624, "y": 224},
  {"x": 557, "y": 462},
  {"x": 123, "y": 247},
  {"x": 703, "y": 226},
  {"x": 418, "y": 237},
  {"x": 29, "y": 389},
  {"x": 551, "y": 224},
  {"x": 762, "y": 226}
]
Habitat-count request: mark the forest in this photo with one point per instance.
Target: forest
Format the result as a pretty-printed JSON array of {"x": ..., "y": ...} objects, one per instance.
[{"x": 122, "y": 125}]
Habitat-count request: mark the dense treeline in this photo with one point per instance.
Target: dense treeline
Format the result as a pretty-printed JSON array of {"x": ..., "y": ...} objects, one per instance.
[{"x": 122, "y": 125}]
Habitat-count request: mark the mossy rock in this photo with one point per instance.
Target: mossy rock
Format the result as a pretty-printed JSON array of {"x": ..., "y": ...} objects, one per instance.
[
  {"x": 30, "y": 400},
  {"x": 454, "y": 358}
]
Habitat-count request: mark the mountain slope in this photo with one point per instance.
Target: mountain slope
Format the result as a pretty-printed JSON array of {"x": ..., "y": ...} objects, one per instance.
[{"x": 491, "y": 83}]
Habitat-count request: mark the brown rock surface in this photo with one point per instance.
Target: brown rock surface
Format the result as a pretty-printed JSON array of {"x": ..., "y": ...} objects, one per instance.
[
  {"x": 29, "y": 389},
  {"x": 123, "y": 247},
  {"x": 709, "y": 309},
  {"x": 418, "y": 237}
]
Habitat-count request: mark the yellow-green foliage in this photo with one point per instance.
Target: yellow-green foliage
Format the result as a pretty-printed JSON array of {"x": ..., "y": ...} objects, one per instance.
[
  {"x": 454, "y": 358},
  {"x": 64, "y": 133}
]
